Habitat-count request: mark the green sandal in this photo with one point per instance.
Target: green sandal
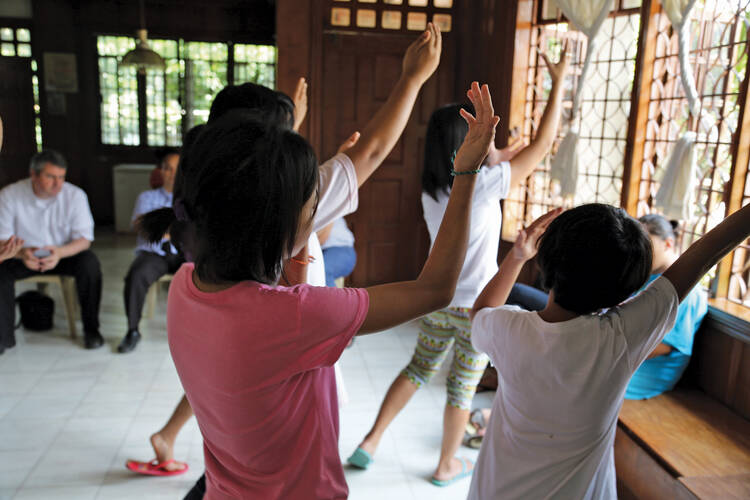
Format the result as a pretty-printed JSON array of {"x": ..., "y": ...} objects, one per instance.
[{"x": 360, "y": 459}]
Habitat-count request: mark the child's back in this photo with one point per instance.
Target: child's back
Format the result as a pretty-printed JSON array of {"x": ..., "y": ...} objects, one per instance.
[{"x": 560, "y": 390}]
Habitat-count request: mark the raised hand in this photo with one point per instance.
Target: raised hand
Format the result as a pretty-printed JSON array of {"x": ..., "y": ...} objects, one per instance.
[
  {"x": 300, "y": 103},
  {"x": 527, "y": 241},
  {"x": 10, "y": 248},
  {"x": 351, "y": 141},
  {"x": 481, "y": 132},
  {"x": 558, "y": 70},
  {"x": 423, "y": 55}
]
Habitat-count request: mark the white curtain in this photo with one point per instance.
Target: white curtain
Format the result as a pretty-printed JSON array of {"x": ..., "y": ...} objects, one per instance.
[
  {"x": 676, "y": 195},
  {"x": 678, "y": 12},
  {"x": 587, "y": 16}
]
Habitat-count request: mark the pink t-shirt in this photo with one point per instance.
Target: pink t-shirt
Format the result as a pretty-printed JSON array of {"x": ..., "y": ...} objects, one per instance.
[{"x": 254, "y": 361}]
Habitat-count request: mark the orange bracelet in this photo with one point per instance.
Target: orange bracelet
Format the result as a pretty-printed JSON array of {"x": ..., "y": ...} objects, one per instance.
[{"x": 310, "y": 260}]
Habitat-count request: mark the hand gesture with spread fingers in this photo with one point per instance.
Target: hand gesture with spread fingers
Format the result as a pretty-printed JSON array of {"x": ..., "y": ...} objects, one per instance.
[
  {"x": 423, "y": 55},
  {"x": 481, "y": 132},
  {"x": 300, "y": 103},
  {"x": 527, "y": 242},
  {"x": 558, "y": 70}
]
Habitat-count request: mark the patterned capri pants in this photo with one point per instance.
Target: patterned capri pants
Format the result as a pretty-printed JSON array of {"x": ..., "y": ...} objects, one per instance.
[{"x": 438, "y": 332}]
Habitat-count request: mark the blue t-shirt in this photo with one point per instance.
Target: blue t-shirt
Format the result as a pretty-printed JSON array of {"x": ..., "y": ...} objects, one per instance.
[{"x": 660, "y": 374}]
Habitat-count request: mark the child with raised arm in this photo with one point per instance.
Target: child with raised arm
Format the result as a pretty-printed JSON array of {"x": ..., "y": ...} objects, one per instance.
[
  {"x": 562, "y": 371},
  {"x": 250, "y": 353}
]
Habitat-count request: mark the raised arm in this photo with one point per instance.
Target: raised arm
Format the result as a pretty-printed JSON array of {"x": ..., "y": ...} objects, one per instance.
[
  {"x": 395, "y": 303},
  {"x": 524, "y": 163},
  {"x": 707, "y": 251},
  {"x": 300, "y": 103},
  {"x": 381, "y": 133},
  {"x": 496, "y": 292}
]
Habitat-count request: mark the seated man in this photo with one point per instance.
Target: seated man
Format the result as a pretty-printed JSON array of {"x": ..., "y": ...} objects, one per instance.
[
  {"x": 152, "y": 261},
  {"x": 54, "y": 219}
]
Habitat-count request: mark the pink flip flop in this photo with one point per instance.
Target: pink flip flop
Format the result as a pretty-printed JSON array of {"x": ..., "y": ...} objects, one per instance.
[{"x": 154, "y": 468}]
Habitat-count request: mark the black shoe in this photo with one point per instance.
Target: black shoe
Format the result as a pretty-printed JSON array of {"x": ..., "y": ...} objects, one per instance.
[
  {"x": 129, "y": 341},
  {"x": 93, "y": 340}
]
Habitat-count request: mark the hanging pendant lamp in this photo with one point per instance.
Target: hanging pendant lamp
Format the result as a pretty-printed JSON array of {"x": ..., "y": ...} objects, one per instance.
[{"x": 142, "y": 57}]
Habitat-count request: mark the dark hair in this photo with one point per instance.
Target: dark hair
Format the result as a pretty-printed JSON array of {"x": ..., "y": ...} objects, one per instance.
[
  {"x": 593, "y": 257},
  {"x": 445, "y": 133},
  {"x": 660, "y": 227},
  {"x": 277, "y": 107},
  {"x": 245, "y": 183},
  {"x": 162, "y": 153},
  {"x": 46, "y": 156}
]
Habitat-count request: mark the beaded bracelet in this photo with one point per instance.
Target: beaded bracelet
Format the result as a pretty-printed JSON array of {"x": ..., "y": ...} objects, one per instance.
[{"x": 466, "y": 172}]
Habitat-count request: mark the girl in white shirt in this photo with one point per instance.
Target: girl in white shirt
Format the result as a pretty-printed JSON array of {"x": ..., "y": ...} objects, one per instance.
[
  {"x": 450, "y": 327},
  {"x": 563, "y": 371}
]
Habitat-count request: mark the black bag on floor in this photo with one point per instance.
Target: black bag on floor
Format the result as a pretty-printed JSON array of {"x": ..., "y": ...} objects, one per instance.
[{"x": 37, "y": 311}]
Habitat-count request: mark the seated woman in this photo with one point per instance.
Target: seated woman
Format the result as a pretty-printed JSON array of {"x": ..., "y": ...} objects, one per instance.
[{"x": 665, "y": 365}]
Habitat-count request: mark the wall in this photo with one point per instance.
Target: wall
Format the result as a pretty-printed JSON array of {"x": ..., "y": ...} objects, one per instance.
[{"x": 72, "y": 26}]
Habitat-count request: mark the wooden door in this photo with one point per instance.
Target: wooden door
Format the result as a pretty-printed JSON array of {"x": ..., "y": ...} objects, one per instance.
[
  {"x": 17, "y": 111},
  {"x": 359, "y": 71}
]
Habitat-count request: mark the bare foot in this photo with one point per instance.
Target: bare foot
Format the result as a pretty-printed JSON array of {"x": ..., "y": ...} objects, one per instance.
[
  {"x": 165, "y": 452},
  {"x": 454, "y": 468}
]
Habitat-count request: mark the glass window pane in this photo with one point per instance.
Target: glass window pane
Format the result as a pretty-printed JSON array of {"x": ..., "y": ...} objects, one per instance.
[
  {"x": 255, "y": 63},
  {"x": 366, "y": 18},
  {"x": 23, "y": 35},
  {"x": 24, "y": 50},
  {"x": 8, "y": 49},
  {"x": 391, "y": 20},
  {"x": 443, "y": 21},
  {"x": 340, "y": 16},
  {"x": 393, "y": 2},
  {"x": 205, "y": 76},
  {"x": 418, "y": 3},
  {"x": 443, "y": 4},
  {"x": 6, "y": 34},
  {"x": 118, "y": 88},
  {"x": 416, "y": 21}
]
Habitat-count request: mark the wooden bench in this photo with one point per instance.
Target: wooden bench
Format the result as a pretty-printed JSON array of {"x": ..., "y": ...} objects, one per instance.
[{"x": 693, "y": 442}]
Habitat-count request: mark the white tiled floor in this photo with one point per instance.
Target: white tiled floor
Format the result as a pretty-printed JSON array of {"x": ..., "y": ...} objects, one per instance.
[{"x": 69, "y": 418}]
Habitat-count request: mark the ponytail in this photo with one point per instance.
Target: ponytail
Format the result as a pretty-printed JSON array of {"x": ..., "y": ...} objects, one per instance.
[{"x": 153, "y": 225}]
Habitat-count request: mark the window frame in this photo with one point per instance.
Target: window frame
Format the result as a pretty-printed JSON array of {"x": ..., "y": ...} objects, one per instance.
[
  {"x": 736, "y": 191},
  {"x": 142, "y": 84}
]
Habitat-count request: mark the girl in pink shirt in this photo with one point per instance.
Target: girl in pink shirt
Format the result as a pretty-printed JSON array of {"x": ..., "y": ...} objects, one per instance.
[{"x": 250, "y": 353}]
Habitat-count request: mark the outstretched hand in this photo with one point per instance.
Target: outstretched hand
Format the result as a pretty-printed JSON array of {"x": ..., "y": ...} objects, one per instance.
[
  {"x": 527, "y": 242},
  {"x": 300, "y": 103},
  {"x": 423, "y": 55},
  {"x": 498, "y": 156},
  {"x": 10, "y": 248},
  {"x": 558, "y": 70},
  {"x": 481, "y": 132}
]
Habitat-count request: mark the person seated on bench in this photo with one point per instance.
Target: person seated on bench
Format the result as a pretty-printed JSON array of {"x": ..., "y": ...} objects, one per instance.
[
  {"x": 54, "y": 218},
  {"x": 666, "y": 364},
  {"x": 153, "y": 260}
]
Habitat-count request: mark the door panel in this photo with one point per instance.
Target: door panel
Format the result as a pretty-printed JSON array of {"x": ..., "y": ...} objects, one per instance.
[
  {"x": 359, "y": 73},
  {"x": 17, "y": 111}
]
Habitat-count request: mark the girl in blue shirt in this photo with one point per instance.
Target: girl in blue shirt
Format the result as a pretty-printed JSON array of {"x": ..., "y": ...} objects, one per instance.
[{"x": 666, "y": 364}]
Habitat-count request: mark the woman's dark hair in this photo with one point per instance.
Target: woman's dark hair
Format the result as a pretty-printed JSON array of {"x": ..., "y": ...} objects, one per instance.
[
  {"x": 593, "y": 257},
  {"x": 660, "y": 227},
  {"x": 445, "y": 133},
  {"x": 278, "y": 108},
  {"x": 245, "y": 183}
]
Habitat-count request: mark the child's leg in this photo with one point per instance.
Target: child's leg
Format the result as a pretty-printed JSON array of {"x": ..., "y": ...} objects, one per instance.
[
  {"x": 163, "y": 440},
  {"x": 466, "y": 370},
  {"x": 433, "y": 343}
]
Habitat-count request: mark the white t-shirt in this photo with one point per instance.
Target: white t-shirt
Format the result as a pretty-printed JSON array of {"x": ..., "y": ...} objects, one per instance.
[
  {"x": 42, "y": 222},
  {"x": 338, "y": 196},
  {"x": 480, "y": 265},
  {"x": 560, "y": 389}
]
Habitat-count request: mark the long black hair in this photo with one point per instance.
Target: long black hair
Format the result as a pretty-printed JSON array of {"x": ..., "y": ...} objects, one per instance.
[
  {"x": 245, "y": 182},
  {"x": 445, "y": 133}
]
